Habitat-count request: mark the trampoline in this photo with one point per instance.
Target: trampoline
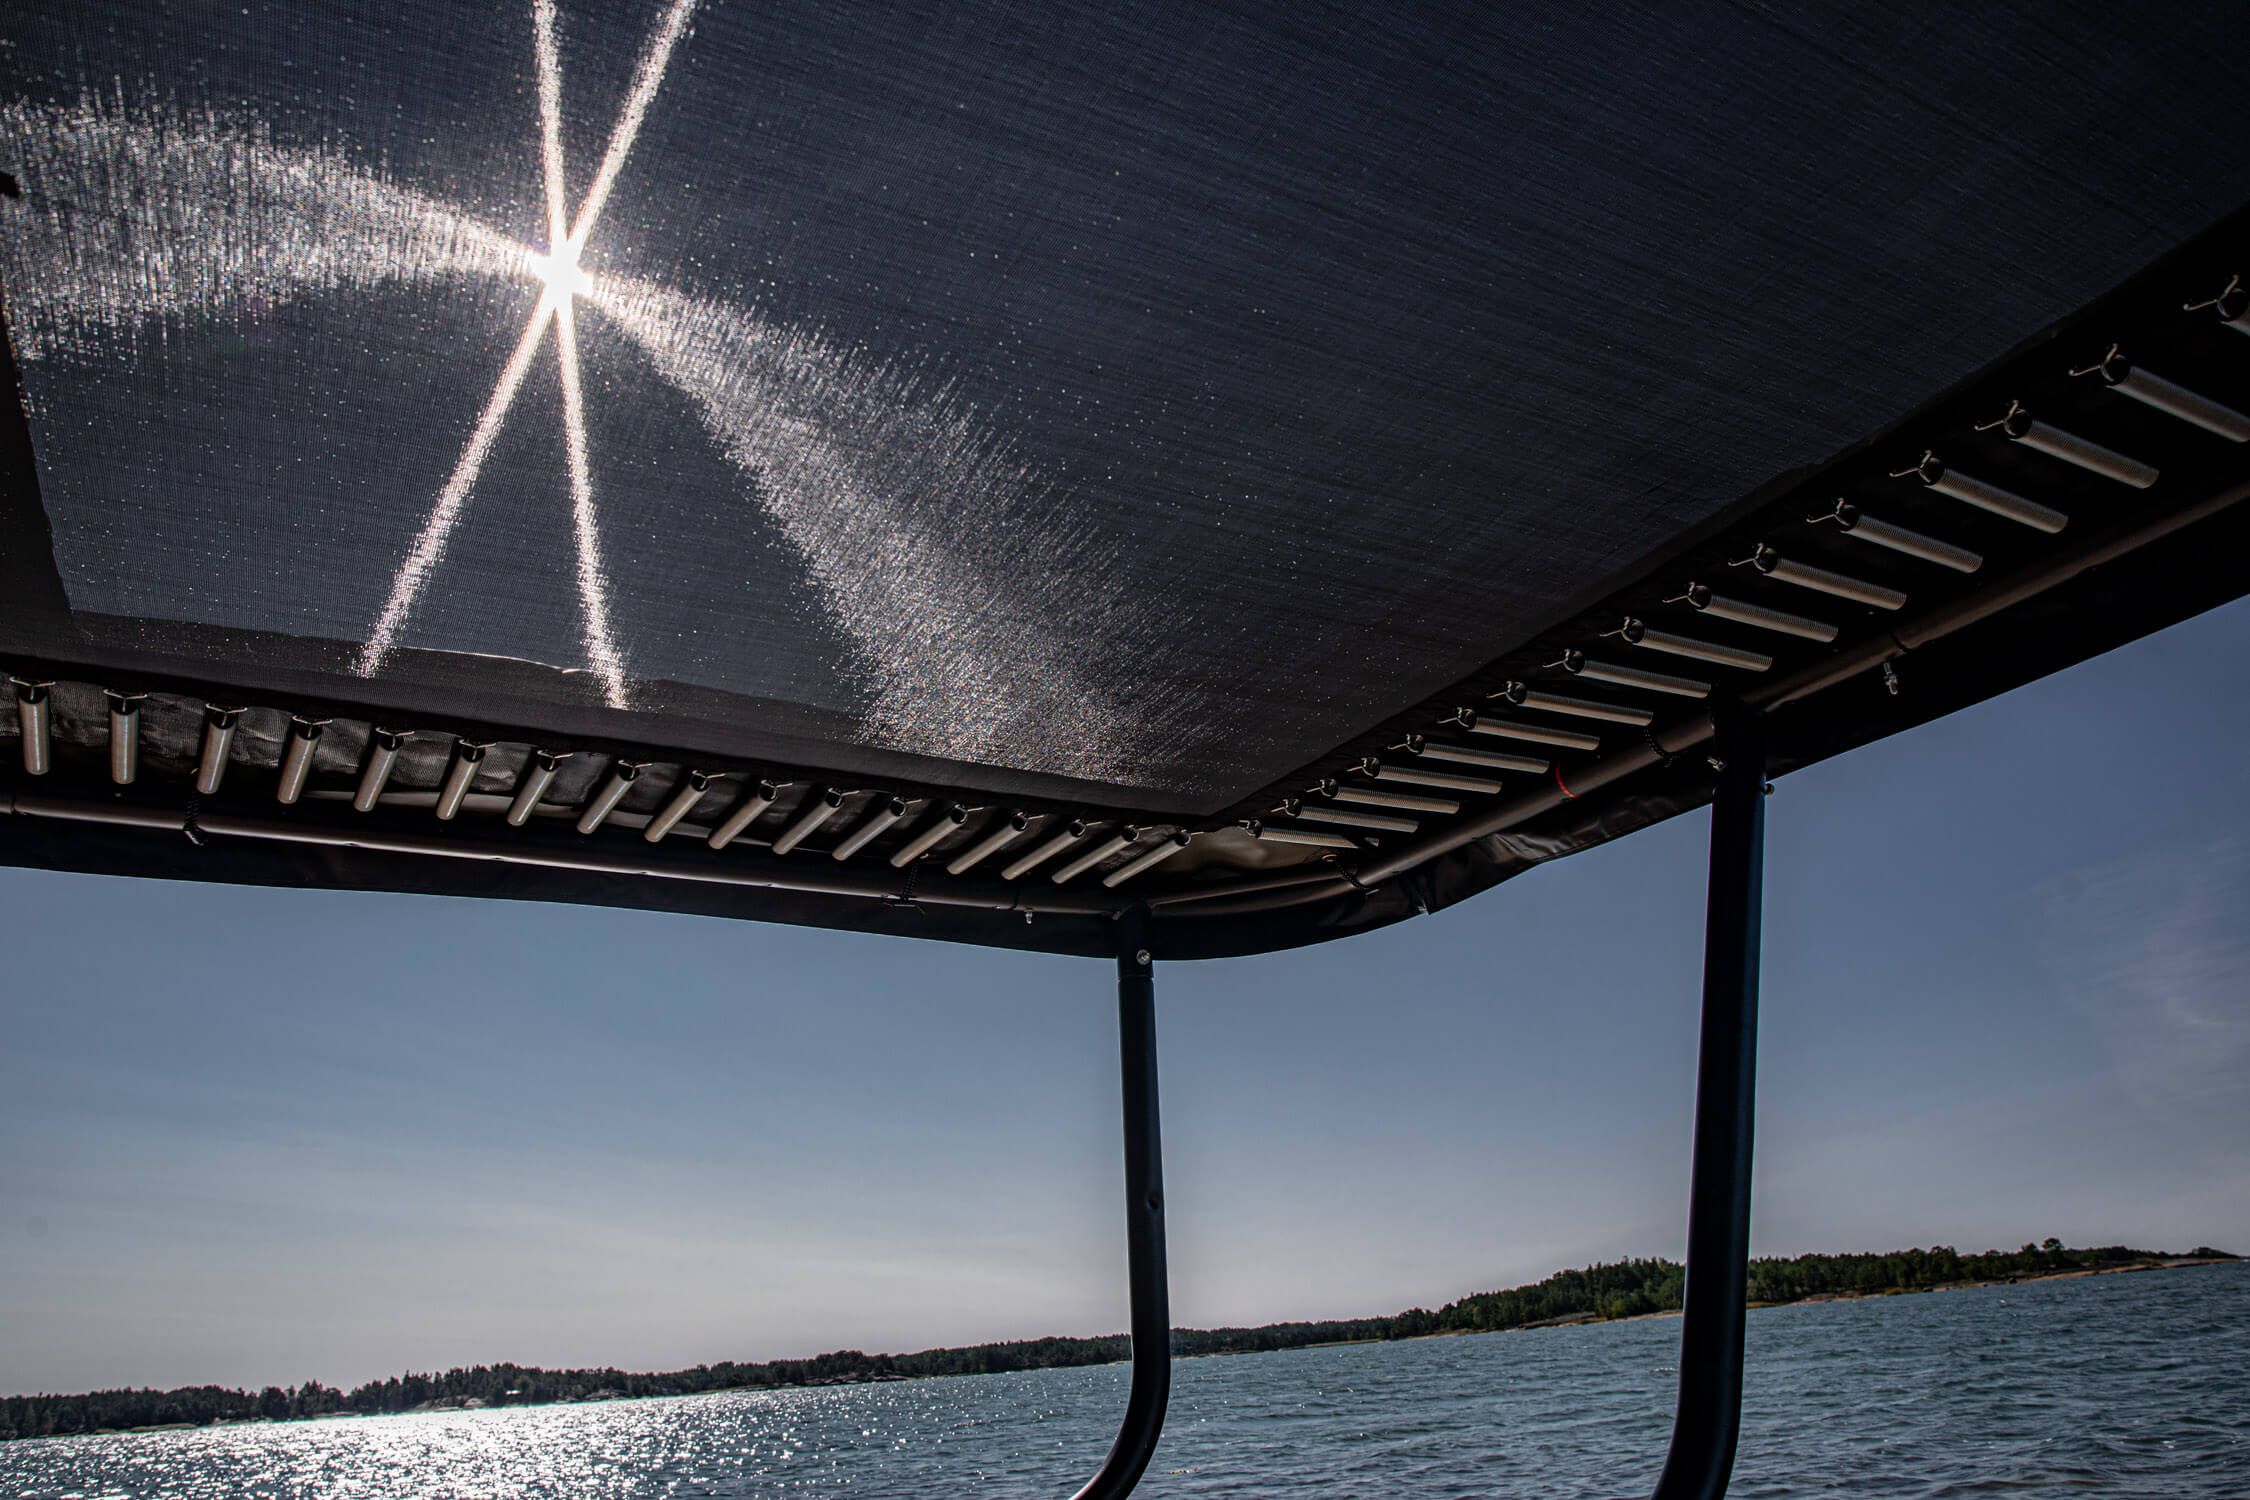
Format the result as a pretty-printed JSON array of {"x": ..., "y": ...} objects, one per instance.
[{"x": 1151, "y": 484}]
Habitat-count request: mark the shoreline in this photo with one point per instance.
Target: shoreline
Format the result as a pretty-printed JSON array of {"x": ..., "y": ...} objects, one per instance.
[
  {"x": 2172, "y": 1264},
  {"x": 1582, "y": 1319},
  {"x": 1611, "y": 1289}
]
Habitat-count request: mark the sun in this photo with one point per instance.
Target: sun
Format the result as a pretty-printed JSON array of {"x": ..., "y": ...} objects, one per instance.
[{"x": 563, "y": 276}]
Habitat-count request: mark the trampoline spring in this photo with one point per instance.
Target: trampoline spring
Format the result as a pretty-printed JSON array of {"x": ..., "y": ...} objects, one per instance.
[
  {"x": 2198, "y": 410},
  {"x": 1072, "y": 832},
  {"x": 1115, "y": 843},
  {"x": 1368, "y": 796},
  {"x": 1700, "y": 598},
  {"x": 467, "y": 756},
  {"x": 1310, "y": 837},
  {"x": 1523, "y": 695},
  {"x": 1636, "y": 633},
  {"x": 219, "y": 725},
  {"x": 761, "y": 797},
  {"x": 690, "y": 791},
  {"x": 1351, "y": 817},
  {"x": 622, "y": 775},
  {"x": 124, "y": 735},
  {"x": 538, "y": 775},
  {"x": 1534, "y": 734},
  {"x": 1931, "y": 470},
  {"x": 2232, "y": 305},
  {"x": 382, "y": 754},
  {"x": 817, "y": 811},
  {"x": 1144, "y": 863},
  {"x": 1003, "y": 832},
  {"x": 297, "y": 759},
  {"x": 1771, "y": 563},
  {"x": 1473, "y": 755},
  {"x": 929, "y": 838},
  {"x": 33, "y": 717},
  {"x": 2021, "y": 427},
  {"x": 1858, "y": 523},
  {"x": 859, "y": 838},
  {"x": 1452, "y": 781},
  {"x": 1578, "y": 664}
]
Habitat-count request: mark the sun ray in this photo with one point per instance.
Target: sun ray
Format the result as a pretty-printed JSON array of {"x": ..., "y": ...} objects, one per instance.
[
  {"x": 436, "y": 531},
  {"x": 646, "y": 80},
  {"x": 550, "y": 123},
  {"x": 593, "y": 588},
  {"x": 960, "y": 642},
  {"x": 558, "y": 268}
]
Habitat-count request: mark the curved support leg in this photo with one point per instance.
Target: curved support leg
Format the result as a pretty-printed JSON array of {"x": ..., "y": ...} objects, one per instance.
[
  {"x": 1709, "y": 1416},
  {"x": 1701, "y": 1459},
  {"x": 1144, "y": 1220}
]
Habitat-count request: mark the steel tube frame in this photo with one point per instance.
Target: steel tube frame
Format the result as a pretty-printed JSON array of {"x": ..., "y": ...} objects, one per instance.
[
  {"x": 1144, "y": 1219},
  {"x": 1708, "y": 1418},
  {"x": 751, "y": 872},
  {"x": 2003, "y": 593}
]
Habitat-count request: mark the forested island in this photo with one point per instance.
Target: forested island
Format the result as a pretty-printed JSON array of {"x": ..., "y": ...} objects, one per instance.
[{"x": 1630, "y": 1288}]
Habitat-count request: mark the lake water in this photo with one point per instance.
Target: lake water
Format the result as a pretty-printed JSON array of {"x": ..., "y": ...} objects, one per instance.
[{"x": 2132, "y": 1385}]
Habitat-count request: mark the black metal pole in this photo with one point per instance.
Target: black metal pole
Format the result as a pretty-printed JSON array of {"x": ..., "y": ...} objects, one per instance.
[
  {"x": 1144, "y": 1219},
  {"x": 1709, "y": 1416}
]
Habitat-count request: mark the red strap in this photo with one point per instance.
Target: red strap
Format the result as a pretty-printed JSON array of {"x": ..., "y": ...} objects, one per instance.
[{"x": 1566, "y": 791}]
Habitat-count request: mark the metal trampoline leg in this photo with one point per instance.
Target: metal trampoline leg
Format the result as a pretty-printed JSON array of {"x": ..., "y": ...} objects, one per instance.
[
  {"x": 1144, "y": 1220},
  {"x": 1708, "y": 1419},
  {"x": 1709, "y": 1416}
]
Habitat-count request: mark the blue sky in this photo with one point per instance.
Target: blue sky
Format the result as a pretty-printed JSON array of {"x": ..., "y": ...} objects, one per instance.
[{"x": 257, "y": 1136}]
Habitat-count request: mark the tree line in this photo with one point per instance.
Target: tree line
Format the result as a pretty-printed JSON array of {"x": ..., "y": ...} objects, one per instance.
[{"x": 1626, "y": 1289}]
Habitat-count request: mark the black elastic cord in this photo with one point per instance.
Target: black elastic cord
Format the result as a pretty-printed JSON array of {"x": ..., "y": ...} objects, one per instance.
[{"x": 905, "y": 897}]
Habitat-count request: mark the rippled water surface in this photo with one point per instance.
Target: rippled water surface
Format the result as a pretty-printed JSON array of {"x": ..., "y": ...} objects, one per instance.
[{"x": 2133, "y": 1385}]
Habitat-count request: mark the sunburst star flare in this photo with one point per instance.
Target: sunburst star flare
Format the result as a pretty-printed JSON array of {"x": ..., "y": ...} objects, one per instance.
[{"x": 562, "y": 280}]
